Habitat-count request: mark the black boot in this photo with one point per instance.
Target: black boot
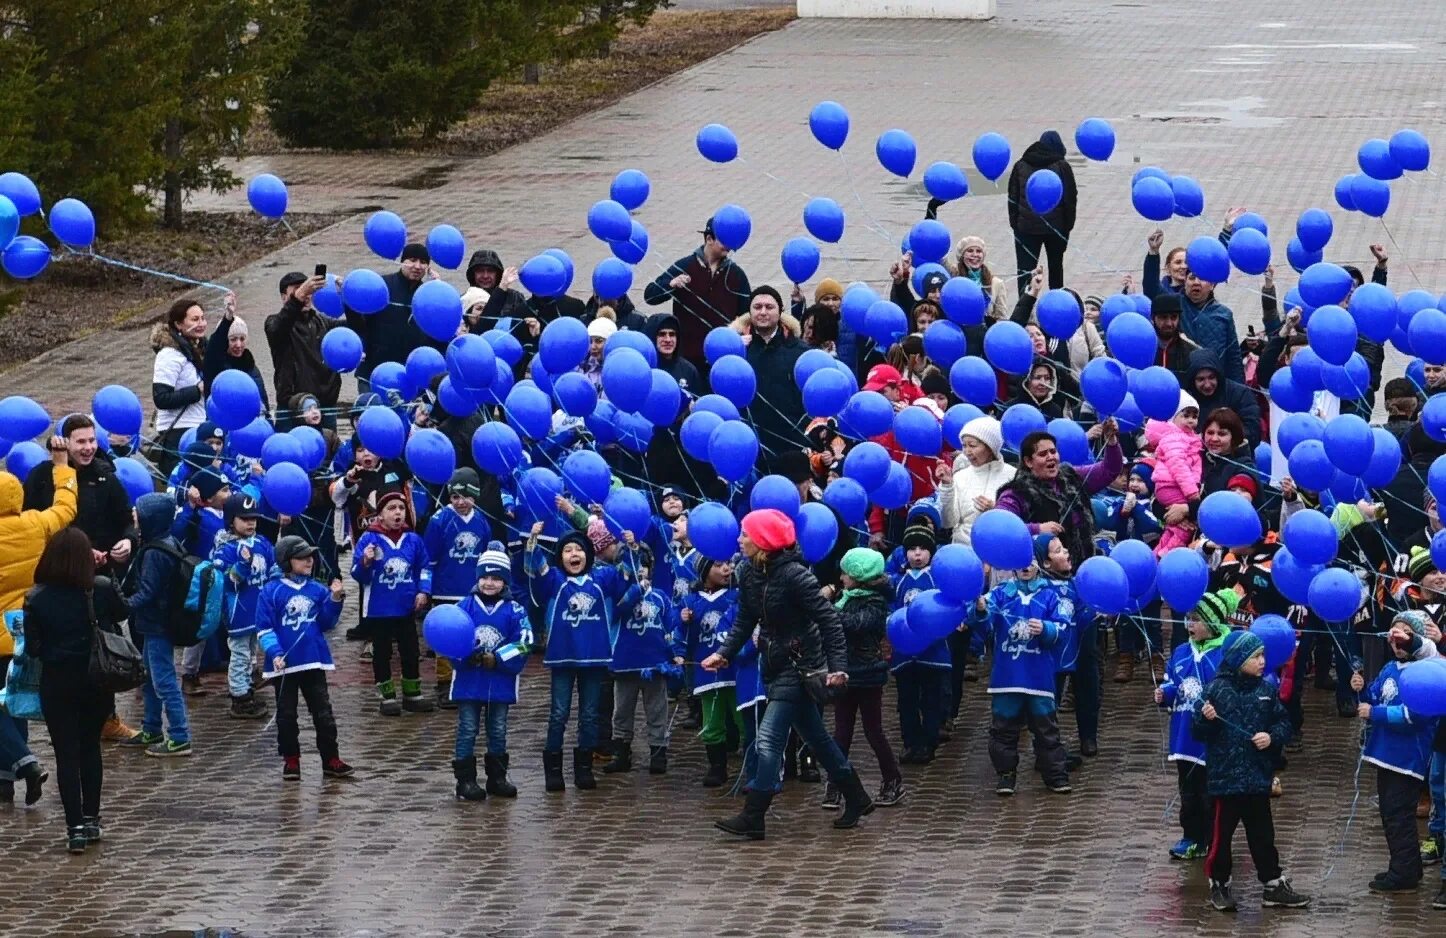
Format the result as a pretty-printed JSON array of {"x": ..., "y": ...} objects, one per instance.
[
  {"x": 465, "y": 771},
  {"x": 582, "y": 775},
  {"x": 748, "y": 822},
  {"x": 444, "y": 696},
  {"x": 7, "y": 792},
  {"x": 693, "y": 717},
  {"x": 622, "y": 760},
  {"x": 75, "y": 839},
  {"x": 857, "y": 802},
  {"x": 497, "y": 783},
  {"x": 552, "y": 771},
  {"x": 34, "y": 777},
  {"x": 717, "y": 765},
  {"x": 92, "y": 829},
  {"x": 658, "y": 760}
]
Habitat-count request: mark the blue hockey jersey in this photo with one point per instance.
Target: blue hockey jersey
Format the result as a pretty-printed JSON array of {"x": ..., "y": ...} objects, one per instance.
[
  {"x": 501, "y": 627},
  {"x": 247, "y": 565},
  {"x": 1079, "y": 622},
  {"x": 293, "y": 616},
  {"x": 196, "y": 528},
  {"x": 907, "y": 585},
  {"x": 1022, "y": 663},
  {"x": 648, "y": 636},
  {"x": 453, "y": 545},
  {"x": 580, "y": 612},
  {"x": 1399, "y": 740},
  {"x": 393, "y": 580},
  {"x": 1192, "y": 667},
  {"x": 710, "y": 619}
]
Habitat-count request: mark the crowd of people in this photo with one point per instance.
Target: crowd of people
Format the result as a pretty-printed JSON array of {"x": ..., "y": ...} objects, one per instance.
[{"x": 750, "y": 649}]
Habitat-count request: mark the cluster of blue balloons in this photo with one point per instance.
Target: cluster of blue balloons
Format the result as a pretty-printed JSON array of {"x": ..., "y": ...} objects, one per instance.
[
  {"x": 1381, "y": 161},
  {"x": 1159, "y": 196}
]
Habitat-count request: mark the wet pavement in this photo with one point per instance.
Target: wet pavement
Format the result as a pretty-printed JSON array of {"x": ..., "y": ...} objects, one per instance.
[{"x": 1264, "y": 106}]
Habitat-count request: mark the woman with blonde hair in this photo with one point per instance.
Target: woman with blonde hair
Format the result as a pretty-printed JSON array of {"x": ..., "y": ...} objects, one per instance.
[{"x": 969, "y": 262}]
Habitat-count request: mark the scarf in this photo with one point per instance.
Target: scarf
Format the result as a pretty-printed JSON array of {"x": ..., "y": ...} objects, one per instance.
[{"x": 1064, "y": 504}]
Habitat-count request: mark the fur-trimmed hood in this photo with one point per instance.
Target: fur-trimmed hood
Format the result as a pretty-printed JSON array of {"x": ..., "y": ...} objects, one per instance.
[{"x": 786, "y": 322}]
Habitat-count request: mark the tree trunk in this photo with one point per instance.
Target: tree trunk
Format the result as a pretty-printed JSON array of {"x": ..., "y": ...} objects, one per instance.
[
  {"x": 171, "y": 214},
  {"x": 531, "y": 73}
]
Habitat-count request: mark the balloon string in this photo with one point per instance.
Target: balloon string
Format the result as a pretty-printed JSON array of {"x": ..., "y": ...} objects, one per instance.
[{"x": 116, "y": 262}]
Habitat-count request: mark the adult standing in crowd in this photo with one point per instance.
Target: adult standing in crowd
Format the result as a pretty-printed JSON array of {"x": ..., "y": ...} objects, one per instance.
[
  {"x": 1053, "y": 497},
  {"x": 178, "y": 388},
  {"x": 23, "y": 535},
  {"x": 503, "y": 300},
  {"x": 774, "y": 347},
  {"x": 970, "y": 487},
  {"x": 706, "y": 289},
  {"x": 390, "y": 335},
  {"x": 1039, "y": 235},
  {"x": 294, "y": 334},
  {"x": 226, "y": 351},
  {"x": 61, "y": 615}
]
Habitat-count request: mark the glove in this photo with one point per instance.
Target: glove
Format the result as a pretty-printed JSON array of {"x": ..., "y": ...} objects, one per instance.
[{"x": 474, "y": 660}]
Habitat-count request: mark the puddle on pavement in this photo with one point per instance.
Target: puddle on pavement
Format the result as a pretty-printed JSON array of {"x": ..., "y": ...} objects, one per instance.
[
  {"x": 1235, "y": 112},
  {"x": 428, "y": 177}
]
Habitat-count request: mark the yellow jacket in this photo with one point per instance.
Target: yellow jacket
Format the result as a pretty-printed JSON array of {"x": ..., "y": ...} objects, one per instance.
[{"x": 23, "y": 535}]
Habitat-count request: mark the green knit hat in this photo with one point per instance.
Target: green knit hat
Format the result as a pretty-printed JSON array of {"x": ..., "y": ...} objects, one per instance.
[
  {"x": 862, "y": 564},
  {"x": 1420, "y": 564},
  {"x": 1215, "y": 609}
]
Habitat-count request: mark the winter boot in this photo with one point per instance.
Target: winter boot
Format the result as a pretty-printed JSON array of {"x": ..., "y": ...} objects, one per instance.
[
  {"x": 444, "y": 696},
  {"x": 1125, "y": 667},
  {"x": 390, "y": 706},
  {"x": 552, "y": 771},
  {"x": 622, "y": 760},
  {"x": 75, "y": 839},
  {"x": 465, "y": 771},
  {"x": 412, "y": 699},
  {"x": 717, "y": 765},
  {"x": 92, "y": 829},
  {"x": 247, "y": 707},
  {"x": 7, "y": 792},
  {"x": 1157, "y": 668},
  {"x": 582, "y": 775},
  {"x": 748, "y": 822},
  {"x": 857, "y": 802},
  {"x": 34, "y": 777},
  {"x": 657, "y": 760},
  {"x": 497, "y": 783},
  {"x": 694, "y": 717}
]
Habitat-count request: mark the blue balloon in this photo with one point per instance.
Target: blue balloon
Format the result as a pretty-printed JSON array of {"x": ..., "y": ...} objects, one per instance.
[
  {"x": 867, "y": 464},
  {"x": 449, "y": 632},
  {"x": 250, "y": 439},
  {"x": 896, "y": 490},
  {"x": 1373, "y": 307},
  {"x": 456, "y": 399},
  {"x": 963, "y": 301},
  {"x": 446, "y": 246},
  {"x": 1153, "y": 198},
  {"x": 810, "y": 363},
  {"x": 1069, "y": 436},
  {"x": 569, "y": 270},
  {"x": 9, "y": 222},
  {"x": 608, "y": 220},
  {"x": 855, "y": 307},
  {"x": 886, "y": 323},
  {"x": 1423, "y": 688},
  {"x": 1335, "y": 594},
  {"x": 1128, "y": 415},
  {"x": 1291, "y": 576},
  {"x": 389, "y": 380},
  {"x": 1323, "y": 284},
  {"x": 1263, "y": 456},
  {"x": 733, "y": 449},
  {"x": 929, "y": 240},
  {"x": 430, "y": 456},
  {"x": 1095, "y": 138},
  {"x": 1059, "y": 313},
  {"x": 423, "y": 364},
  {"x": 587, "y": 476},
  {"x": 697, "y": 429},
  {"x": 1410, "y": 150},
  {"x": 1287, "y": 393},
  {"x": 328, "y": 299},
  {"x": 21, "y": 192},
  {"x": 497, "y": 448},
  {"x": 1002, "y": 540},
  {"x": 23, "y": 457},
  {"x": 1229, "y": 520},
  {"x": 1313, "y": 230},
  {"x": 1182, "y": 577},
  {"x": 1009, "y": 348},
  {"x": 575, "y": 394},
  {"x": 830, "y": 124},
  {"x": 25, "y": 257},
  {"x": 237, "y": 399},
  {"x": 1436, "y": 478},
  {"x": 563, "y": 345},
  {"x": 1427, "y": 333},
  {"x": 991, "y": 155},
  {"x": 1131, "y": 339},
  {"x": 365, "y": 291},
  {"x": 1189, "y": 198},
  {"x": 381, "y": 431},
  {"x": 72, "y": 222},
  {"x": 1156, "y": 391},
  {"x": 974, "y": 381},
  {"x": 1208, "y": 259},
  {"x": 1371, "y": 196},
  {"x": 1416, "y": 372},
  {"x": 945, "y": 181},
  {"x": 1385, "y": 459},
  {"x": 1310, "y": 467},
  {"x": 1019, "y": 421},
  {"x": 473, "y": 366},
  {"x": 733, "y": 378},
  {"x": 386, "y": 234},
  {"x": 1433, "y": 417},
  {"x": 437, "y": 310},
  {"x": 902, "y": 638},
  {"x": 817, "y": 528},
  {"x": 24, "y": 419},
  {"x": 867, "y": 414},
  {"x": 848, "y": 498},
  {"x": 1345, "y": 197},
  {"x": 1308, "y": 370},
  {"x": 718, "y": 404},
  {"x": 1104, "y": 384},
  {"x": 539, "y": 489},
  {"x": 1250, "y": 220},
  {"x": 933, "y": 615},
  {"x": 267, "y": 195},
  {"x": 944, "y": 343},
  {"x": 732, "y": 226},
  {"x": 1149, "y": 172},
  {"x": 1103, "y": 585},
  {"x": 958, "y": 572},
  {"x": 117, "y": 409},
  {"x": 1296, "y": 429},
  {"x": 954, "y": 420},
  {"x": 917, "y": 431},
  {"x": 341, "y": 349},
  {"x": 611, "y": 278},
  {"x": 1278, "y": 636},
  {"x": 1350, "y": 444},
  {"x": 1043, "y": 190},
  {"x": 635, "y": 248},
  {"x": 1376, "y": 161},
  {"x": 713, "y": 530},
  {"x": 1332, "y": 334},
  {"x": 824, "y": 219},
  {"x": 630, "y": 189},
  {"x": 1310, "y": 536},
  {"x": 664, "y": 400},
  {"x": 134, "y": 478},
  {"x": 637, "y": 341},
  {"x": 626, "y": 378},
  {"x": 826, "y": 392},
  {"x": 774, "y": 491},
  {"x": 722, "y": 341},
  {"x": 717, "y": 143},
  {"x": 799, "y": 259},
  {"x": 544, "y": 275},
  {"x": 287, "y": 488},
  {"x": 896, "y": 152}
]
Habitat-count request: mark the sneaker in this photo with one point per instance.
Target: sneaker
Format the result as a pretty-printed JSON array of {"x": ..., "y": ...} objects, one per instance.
[
  {"x": 1431, "y": 850},
  {"x": 1060, "y": 787},
  {"x": 1005, "y": 788},
  {"x": 1390, "y": 882},
  {"x": 832, "y": 798},
  {"x": 1220, "y": 898},
  {"x": 168, "y": 749},
  {"x": 335, "y": 768},
  {"x": 390, "y": 707},
  {"x": 1182, "y": 848},
  {"x": 191, "y": 685},
  {"x": 1279, "y": 894},
  {"x": 890, "y": 793},
  {"x": 1440, "y": 901},
  {"x": 291, "y": 769},
  {"x": 142, "y": 740}
]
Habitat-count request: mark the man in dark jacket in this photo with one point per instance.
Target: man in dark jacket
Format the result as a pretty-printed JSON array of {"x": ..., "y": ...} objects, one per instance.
[
  {"x": 294, "y": 335},
  {"x": 777, "y": 412},
  {"x": 1213, "y": 391},
  {"x": 391, "y": 335},
  {"x": 706, "y": 289},
  {"x": 1035, "y": 233},
  {"x": 1210, "y": 323},
  {"x": 485, "y": 270},
  {"x": 1172, "y": 350},
  {"x": 102, "y": 510},
  {"x": 663, "y": 330}
]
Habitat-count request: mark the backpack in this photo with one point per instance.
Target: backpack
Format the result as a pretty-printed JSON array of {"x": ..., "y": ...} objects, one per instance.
[{"x": 197, "y": 590}]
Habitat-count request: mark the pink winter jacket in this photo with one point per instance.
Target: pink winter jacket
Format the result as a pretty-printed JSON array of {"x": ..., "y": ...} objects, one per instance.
[{"x": 1178, "y": 462}]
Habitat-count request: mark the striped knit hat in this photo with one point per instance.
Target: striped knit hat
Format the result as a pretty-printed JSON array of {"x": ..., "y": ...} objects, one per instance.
[
  {"x": 1414, "y": 619},
  {"x": 495, "y": 562},
  {"x": 1215, "y": 609},
  {"x": 1420, "y": 564}
]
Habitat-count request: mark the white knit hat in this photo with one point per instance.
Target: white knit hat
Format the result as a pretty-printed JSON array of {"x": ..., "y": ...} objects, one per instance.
[
  {"x": 987, "y": 431},
  {"x": 472, "y": 296},
  {"x": 238, "y": 327},
  {"x": 1186, "y": 401},
  {"x": 601, "y": 328}
]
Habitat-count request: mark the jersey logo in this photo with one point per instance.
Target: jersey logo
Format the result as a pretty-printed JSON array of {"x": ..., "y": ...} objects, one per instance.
[
  {"x": 299, "y": 611},
  {"x": 394, "y": 571},
  {"x": 486, "y": 638},
  {"x": 1389, "y": 690},
  {"x": 464, "y": 546}
]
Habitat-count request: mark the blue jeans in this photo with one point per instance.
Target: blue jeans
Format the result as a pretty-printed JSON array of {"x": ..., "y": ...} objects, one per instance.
[
  {"x": 589, "y": 684},
  {"x": 163, "y": 691},
  {"x": 15, "y": 751},
  {"x": 748, "y": 740},
  {"x": 804, "y": 718},
  {"x": 238, "y": 672},
  {"x": 469, "y": 720}
]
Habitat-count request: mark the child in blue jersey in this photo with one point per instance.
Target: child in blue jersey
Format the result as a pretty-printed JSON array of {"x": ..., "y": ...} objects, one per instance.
[
  {"x": 579, "y": 598},
  {"x": 195, "y": 526},
  {"x": 660, "y": 539},
  {"x": 245, "y": 558},
  {"x": 391, "y": 564},
  {"x": 922, "y": 680},
  {"x": 1398, "y": 744},
  {"x": 751, "y": 696},
  {"x": 1076, "y": 652},
  {"x": 707, "y": 613},
  {"x": 293, "y": 615},
  {"x": 1191, "y": 668},
  {"x": 487, "y": 679},
  {"x": 1022, "y": 619},
  {"x": 648, "y": 647},
  {"x": 455, "y": 537}
]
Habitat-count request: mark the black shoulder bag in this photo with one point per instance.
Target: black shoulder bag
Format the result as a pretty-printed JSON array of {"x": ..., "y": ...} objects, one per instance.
[{"x": 116, "y": 665}]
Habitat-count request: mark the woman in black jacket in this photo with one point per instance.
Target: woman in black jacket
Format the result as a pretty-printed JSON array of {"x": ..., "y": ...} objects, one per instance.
[
  {"x": 863, "y": 606},
  {"x": 60, "y": 617},
  {"x": 800, "y": 641}
]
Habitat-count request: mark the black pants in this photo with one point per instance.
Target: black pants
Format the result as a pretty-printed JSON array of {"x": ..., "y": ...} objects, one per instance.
[
  {"x": 922, "y": 690},
  {"x": 959, "y": 652},
  {"x": 1194, "y": 802},
  {"x": 75, "y": 711},
  {"x": 1398, "y": 794},
  {"x": 1254, "y": 812},
  {"x": 1010, "y": 714},
  {"x": 382, "y": 631},
  {"x": 1027, "y": 250},
  {"x": 312, "y": 686}
]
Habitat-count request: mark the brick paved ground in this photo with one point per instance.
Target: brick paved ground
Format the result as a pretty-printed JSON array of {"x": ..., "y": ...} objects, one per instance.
[{"x": 1264, "y": 105}]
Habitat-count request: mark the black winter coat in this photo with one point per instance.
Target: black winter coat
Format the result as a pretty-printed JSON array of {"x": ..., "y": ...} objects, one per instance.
[
  {"x": 865, "y": 620},
  {"x": 1244, "y": 706},
  {"x": 219, "y": 359},
  {"x": 102, "y": 507},
  {"x": 58, "y": 624},
  {"x": 1228, "y": 393},
  {"x": 797, "y": 628},
  {"x": 294, "y": 335},
  {"x": 777, "y": 410},
  {"x": 1058, "y": 220}
]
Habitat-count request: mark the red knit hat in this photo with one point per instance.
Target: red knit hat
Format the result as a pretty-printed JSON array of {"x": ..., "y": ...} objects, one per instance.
[
  {"x": 770, "y": 529},
  {"x": 1242, "y": 481},
  {"x": 601, "y": 537}
]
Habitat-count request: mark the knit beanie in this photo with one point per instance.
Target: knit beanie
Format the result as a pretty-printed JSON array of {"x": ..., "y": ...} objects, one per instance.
[
  {"x": 599, "y": 535},
  {"x": 1146, "y": 472},
  {"x": 1215, "y": 609},
  {"x": 495, "y": 562},
  {"x": 1420, "y": 564},
  {"x": 934, "y": 382},
  {"x": 208, "y": 482},
  {"x": 601, "y": 328},
  {"x": 827, "y": 287},
  {"x": 770, "y": 529},
  {"x": 862, "y": 564},
  {"x": 919, "y": 536},
  {"x": 766, "y": 290},
  {"x": 199, "y": 455},
  {"x": 1237, "y": 648},
  {"x": 987, "y": 431},
  {"x": 416, "y": 252},
  {"x": 238, "y": 327},
  {"x": 1415, "y": 619},
  {"x": 1041, "y": 547},
  {"x": 1242, "y": 481},
  {"x": 1186, "y": 401},
  {"x": 465, "y": 482},
  {"x": 927, "y": 509},
  {"x": 970, "y": 241}
]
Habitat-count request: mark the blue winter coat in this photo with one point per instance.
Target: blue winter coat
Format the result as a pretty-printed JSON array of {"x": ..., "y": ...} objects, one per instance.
[
  {"x": 1244, "y": 706},
  {"x": 149, "y": 581}
]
